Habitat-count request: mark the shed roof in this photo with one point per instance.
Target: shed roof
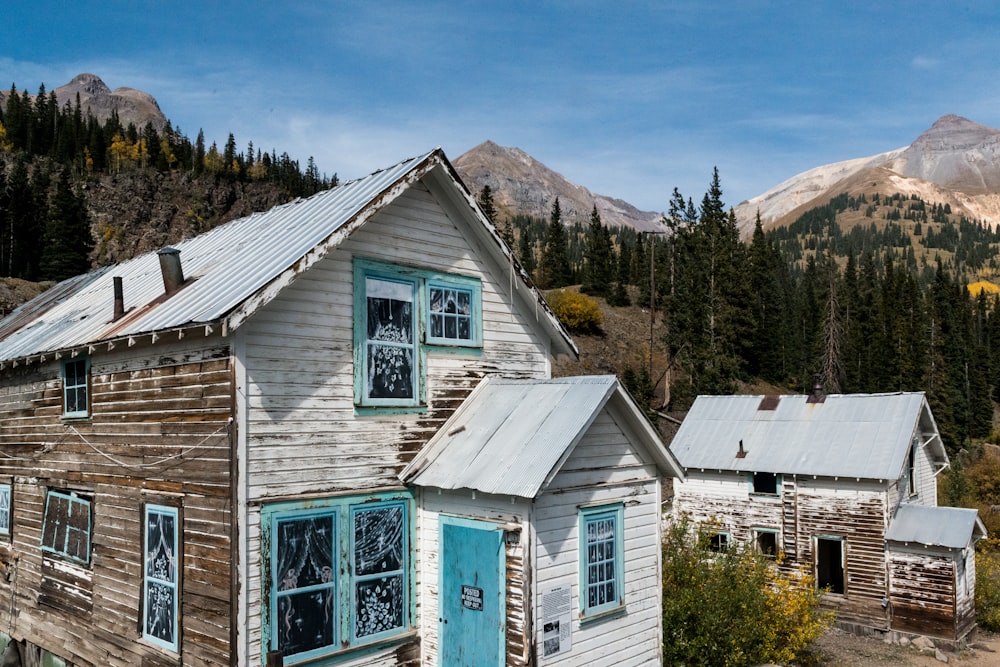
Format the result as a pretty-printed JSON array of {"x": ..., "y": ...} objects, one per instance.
[
  {"x": 510, "y": 437},
  {"x": 846, "y": 435},
  {"x": 234, "y": 269},
  {"x": 951, "y": 527}
]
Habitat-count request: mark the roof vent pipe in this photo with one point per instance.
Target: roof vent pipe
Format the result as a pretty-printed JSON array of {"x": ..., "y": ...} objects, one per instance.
[
  {"x": 170, "y": 268},
  {"x": 119, "y": 299},
  {"x": 817, "y": 395}
]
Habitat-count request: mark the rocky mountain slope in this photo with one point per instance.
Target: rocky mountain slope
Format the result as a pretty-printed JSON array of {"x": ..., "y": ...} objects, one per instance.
[
  {"x": 956, "y": 162},
  {"x": 523, "y": 185},
  {"x": 133, "y": 106}
]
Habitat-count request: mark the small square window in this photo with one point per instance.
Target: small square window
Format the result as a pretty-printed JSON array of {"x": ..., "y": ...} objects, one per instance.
[
  {"x": 5, "y": 495},
  {"x": 452, "y": 314},
  {"x": 766, "y": 541},
  {"x": 66, "y": 526},
  {"x": 766, "y": 483},
  {"x": 76, "y": 385},
  {"x": 601, "y": 559},
  {"x": 718, "y": 542}
]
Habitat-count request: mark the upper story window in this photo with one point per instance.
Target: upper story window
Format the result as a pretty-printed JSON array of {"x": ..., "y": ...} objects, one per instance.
[
  {"x": 76, "y": 387},
  {"x": 338, "y": 571},
  {"x": 765, "y": 483},
  {"x": 400, "y": 312},
  {"x": 66, "y": 526},
  {"x": 601, "y": 559},
  {"x": 911, "y": 468}
]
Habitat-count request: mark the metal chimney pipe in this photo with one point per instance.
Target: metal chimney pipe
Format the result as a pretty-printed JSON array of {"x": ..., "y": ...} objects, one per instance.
[
  {"x": 119, "y": 299},
  {"x": 170, "y": 268}
]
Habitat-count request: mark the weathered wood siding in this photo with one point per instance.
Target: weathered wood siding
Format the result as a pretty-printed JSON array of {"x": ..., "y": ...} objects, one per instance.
[
  {"x": 604, "y": 468},
  {"x": 922, "y": 592},
  {"x": 850, "y": 509},
  {"x": 303, "y": 434},
  {"x": 489, "y": 508},
  {"x": 159, "y": 432}
]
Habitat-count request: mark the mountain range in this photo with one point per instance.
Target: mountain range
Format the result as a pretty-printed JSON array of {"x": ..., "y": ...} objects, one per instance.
[
  {"x": 956, "y": 162},
  {"x": 132, "y": 106}
]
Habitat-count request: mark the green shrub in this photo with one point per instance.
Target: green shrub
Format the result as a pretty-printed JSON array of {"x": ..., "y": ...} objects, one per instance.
[
  {"x": 733, "y": 608},
  {"x": 578, "y": 312},
  {"x": 988, "y": 584}
]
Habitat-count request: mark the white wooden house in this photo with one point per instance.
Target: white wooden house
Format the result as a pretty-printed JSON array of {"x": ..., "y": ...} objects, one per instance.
[
  {"x": 845, "y": 487},
  {"x": 202, "y": 450}
]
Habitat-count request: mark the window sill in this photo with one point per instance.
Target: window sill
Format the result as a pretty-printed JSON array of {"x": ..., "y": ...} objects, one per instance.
[
  {"x": 361, "y": 649},
  {"x": 602, "y": 615}
]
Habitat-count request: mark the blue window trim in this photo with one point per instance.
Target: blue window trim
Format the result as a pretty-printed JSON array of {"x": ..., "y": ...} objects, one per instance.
[
  {"x": 162, "y": 510},
  {"x": 81, "y": 505},
  {"x": 421, "y": 281},
  {"x": 341, "y": 510},
  {"x": 760, "y": 530},
  {"x": 590, "y": 515},
  {"x": 76, "y": 387},
  {"x": 6, "y": 499}
]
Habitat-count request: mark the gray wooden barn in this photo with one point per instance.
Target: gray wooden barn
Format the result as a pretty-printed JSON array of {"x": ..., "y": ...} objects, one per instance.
[
  {"x": 202, "y": 450},
  {"x": 844, "y": 486}
]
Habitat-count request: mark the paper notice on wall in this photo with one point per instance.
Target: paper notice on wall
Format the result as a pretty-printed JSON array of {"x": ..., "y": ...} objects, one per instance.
[{"x": 557, "y": 621}]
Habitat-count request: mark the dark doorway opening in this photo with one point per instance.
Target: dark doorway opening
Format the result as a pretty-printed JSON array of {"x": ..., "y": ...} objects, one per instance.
[{"x": 830, "y": 564}]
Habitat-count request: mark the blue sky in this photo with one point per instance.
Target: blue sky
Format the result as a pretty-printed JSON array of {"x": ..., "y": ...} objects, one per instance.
[{"x": 629, "y": 99}]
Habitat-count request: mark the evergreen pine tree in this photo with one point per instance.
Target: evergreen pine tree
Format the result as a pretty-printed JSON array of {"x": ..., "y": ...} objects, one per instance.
[
  {"x": 598, "y": 268},
  {"x": 554, "y": 270},
  {"x": 68, "y": 240}
]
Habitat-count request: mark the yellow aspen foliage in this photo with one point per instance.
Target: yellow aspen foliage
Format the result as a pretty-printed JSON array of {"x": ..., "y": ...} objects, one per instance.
[
  {"x": 4, "y": 144},
  {"x": 168, "y": 152},
  {"x": 121, "y": 153},
  {"x": 213, "y": 160},
  {"x": 980, "y": 286}
]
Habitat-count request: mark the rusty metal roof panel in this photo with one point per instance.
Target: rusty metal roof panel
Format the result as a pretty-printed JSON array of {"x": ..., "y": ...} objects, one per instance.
[
  {"x": 847, "y": 435},
  {"x": 511, "y": 436},
  {"x": 223, "y": 268},
  {"x": 950, "y": 527}
]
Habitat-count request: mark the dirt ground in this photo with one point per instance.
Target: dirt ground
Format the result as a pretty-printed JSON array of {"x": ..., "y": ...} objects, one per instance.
[{"x": 840, "y": 649}]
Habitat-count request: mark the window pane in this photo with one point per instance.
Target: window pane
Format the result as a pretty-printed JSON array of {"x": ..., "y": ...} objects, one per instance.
[
  {"x": 379, "y": 605},
  {"x": 54, "y": 528},
  {"x": 305, "y": 621},
  {"x": 304, "y": 552},
  {"x": 390, "y": 371},
  {"x": 390, "y": 311},
  {"x": 378, "y": 540},
  {"x": 160, "y": 607},
  {"x": 160, "y": 548}
]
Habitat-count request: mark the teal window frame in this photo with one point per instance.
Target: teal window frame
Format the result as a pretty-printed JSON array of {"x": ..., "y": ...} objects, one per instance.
[
  {"x": 349, "y": 573},
  {"x": 602, "y": 559},
  {"x": 418, "y": 286},
  {"x": 758, "y": 531},
  {"x": 69, "y": 530},
  {"x": 161, "y": 573},
  {"x": 6, "y": 496},
  {"x": 76, "y": 386}
]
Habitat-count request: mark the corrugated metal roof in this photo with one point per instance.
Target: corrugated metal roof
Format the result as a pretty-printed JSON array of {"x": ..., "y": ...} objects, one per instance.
[
  {"x": 847, "y": 435},
  {"x": 510, "y": 437},
  {"x": 951, "y": 527},
  {"x": 230, "y": 270}
]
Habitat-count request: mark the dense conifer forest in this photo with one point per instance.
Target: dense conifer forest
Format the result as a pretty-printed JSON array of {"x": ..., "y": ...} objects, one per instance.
[
  {"x": 50, "y": 154},
  {"x": 896, "y": 298}
]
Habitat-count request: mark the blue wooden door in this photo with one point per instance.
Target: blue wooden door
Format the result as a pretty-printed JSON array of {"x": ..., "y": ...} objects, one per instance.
[{"x": 471, "y": 593}]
